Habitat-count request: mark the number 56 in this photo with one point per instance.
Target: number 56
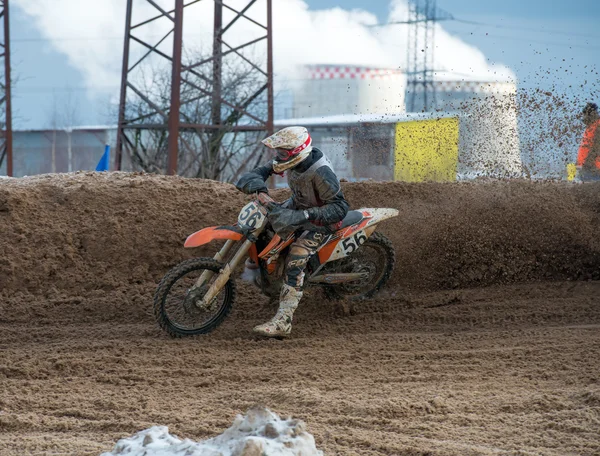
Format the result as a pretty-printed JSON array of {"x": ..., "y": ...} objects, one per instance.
[{"x": 352, "y": 243}]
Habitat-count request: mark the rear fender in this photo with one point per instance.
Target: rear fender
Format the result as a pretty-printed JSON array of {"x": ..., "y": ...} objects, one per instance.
[
  {"x": 377, "y": 215},
  {"x": 213, "y": 233}
]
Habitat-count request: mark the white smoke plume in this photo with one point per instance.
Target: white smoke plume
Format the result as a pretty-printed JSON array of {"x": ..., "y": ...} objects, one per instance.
[{"x": 90, "y": 34}]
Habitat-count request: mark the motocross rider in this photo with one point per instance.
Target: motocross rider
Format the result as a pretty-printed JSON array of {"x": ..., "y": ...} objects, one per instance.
[{"x": 317, "y": 199}]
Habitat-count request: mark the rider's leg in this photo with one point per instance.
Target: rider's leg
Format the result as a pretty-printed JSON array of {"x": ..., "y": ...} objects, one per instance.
[{"x": 291, "y": 292}]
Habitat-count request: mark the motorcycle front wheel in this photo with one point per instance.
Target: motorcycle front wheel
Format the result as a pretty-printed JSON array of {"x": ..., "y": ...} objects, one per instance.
[{"x": 178, "y": 306}]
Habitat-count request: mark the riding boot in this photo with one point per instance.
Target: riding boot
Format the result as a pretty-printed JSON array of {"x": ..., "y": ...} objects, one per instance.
[{"x": 281, "y": 324}]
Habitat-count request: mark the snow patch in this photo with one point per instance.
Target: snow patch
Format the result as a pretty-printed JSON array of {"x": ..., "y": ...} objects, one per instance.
[{"x": 260, "y": 432}]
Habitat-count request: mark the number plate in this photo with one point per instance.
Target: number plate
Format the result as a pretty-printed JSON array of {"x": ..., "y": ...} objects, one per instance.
[
  {"x": 352, "y": 243},
  {"x": 251, "y": 216}
]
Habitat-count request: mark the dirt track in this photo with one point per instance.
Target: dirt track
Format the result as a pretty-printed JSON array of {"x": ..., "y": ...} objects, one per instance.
[{"x": 482, "y": 344}]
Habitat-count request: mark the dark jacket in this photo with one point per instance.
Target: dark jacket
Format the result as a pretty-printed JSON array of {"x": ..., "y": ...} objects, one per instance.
[{"x": 331, "y": 207}]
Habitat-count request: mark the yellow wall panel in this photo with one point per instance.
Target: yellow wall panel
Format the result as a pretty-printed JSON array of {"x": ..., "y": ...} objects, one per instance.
[
  {"x": 571, "y": 172},
  {"x": 426, "y": 150}
]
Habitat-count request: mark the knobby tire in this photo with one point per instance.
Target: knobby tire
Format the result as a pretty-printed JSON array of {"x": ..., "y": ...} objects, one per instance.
[{"x": 165, "y": 285}]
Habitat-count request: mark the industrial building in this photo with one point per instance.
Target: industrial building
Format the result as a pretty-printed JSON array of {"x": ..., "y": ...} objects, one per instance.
[
  {"x": 358, "y": 115},
  {"x": 326, "y": 90},
  {"x": 410, "y": 147}
]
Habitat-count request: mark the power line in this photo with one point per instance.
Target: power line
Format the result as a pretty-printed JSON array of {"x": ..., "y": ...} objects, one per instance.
[
  {"x": 450, "y": 17},
  {"x": 29, "y": 40},
  {"x": 442, "y": 16},
  {"x": 89, "y": 38},
  {"x": 47, "y": 89},
  {"x": 548, "y": 43},
  {"x": 527, "y": 29}
]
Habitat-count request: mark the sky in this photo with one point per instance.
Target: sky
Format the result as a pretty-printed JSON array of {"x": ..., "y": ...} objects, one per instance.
[
  {"x": 524, "y": 35},
  {"x": 67, "y": 53}
]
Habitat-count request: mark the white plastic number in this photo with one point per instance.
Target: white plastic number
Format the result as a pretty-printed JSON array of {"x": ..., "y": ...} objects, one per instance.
[
  {"x": 351, "y": 244},
  {"x": 250, "y": 216}
]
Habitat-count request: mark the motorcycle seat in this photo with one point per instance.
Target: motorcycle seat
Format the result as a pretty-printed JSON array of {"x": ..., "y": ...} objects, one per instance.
[{"x": 352, "y": 217}]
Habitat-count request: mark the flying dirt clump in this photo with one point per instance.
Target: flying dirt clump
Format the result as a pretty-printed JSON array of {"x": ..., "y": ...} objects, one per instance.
[{"x": 259, "y": 432}]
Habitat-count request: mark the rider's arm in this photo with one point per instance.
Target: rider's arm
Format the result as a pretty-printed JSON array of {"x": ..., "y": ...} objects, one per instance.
[
  {"x": 329, "y": 191},
  {"x": 254, "y": 181}
]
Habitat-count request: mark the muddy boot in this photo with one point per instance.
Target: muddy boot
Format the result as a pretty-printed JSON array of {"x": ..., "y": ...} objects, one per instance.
[{"x": 281, "y": 324}]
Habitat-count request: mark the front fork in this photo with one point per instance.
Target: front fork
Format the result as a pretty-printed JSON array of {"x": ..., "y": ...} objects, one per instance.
[
  {"x": 225, "y": 273},
  {"x": 221, "y": 254}
]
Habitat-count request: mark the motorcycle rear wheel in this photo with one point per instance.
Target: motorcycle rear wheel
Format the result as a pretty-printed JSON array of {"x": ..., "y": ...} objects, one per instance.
[
  {"x": 376, "y": 256},
  {"x": 177, "y": 308}
]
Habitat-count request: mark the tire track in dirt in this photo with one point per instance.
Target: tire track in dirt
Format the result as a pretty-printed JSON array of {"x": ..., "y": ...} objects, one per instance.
[{"x": 485, "y": 342}]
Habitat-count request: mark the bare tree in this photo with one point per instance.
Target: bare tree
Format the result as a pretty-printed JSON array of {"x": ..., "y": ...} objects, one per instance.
[
  {"x": 220, "y": 154},
  {"x": 64, "y": 115}
]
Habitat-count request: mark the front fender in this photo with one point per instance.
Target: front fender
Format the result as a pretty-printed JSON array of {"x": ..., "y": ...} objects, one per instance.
[{"x": 212, "y": 233}]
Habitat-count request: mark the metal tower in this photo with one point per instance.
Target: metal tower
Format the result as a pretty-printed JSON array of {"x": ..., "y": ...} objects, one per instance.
[
  {"x": 422, "y": 18},
  {"x": 204, "y": 78},
  {"x": 6, "y": 138}
]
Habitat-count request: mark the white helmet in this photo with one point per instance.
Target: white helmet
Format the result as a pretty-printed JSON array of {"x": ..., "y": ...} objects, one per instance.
[{"x": 292, "y": 146}]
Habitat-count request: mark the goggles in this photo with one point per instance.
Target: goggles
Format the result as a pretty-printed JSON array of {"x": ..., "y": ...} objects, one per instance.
[{"x": 286, "y": 154}]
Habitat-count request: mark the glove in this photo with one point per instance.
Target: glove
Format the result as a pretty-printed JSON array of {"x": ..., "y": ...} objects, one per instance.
[
  {"x": 251, "y": 183},
  {"x": 285, "y": 221},
  {"x": 313, "y": 213}
]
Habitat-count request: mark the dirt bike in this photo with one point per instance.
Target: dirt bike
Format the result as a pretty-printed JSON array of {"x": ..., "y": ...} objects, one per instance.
[{"x": 196, "y": 296}]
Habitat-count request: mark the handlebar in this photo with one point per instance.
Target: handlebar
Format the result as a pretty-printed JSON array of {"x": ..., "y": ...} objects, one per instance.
[{"x": 264, "y": 199}]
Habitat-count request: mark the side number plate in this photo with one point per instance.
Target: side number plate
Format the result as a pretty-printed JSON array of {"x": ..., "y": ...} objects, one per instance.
[{"x": 351, "y": 244}]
